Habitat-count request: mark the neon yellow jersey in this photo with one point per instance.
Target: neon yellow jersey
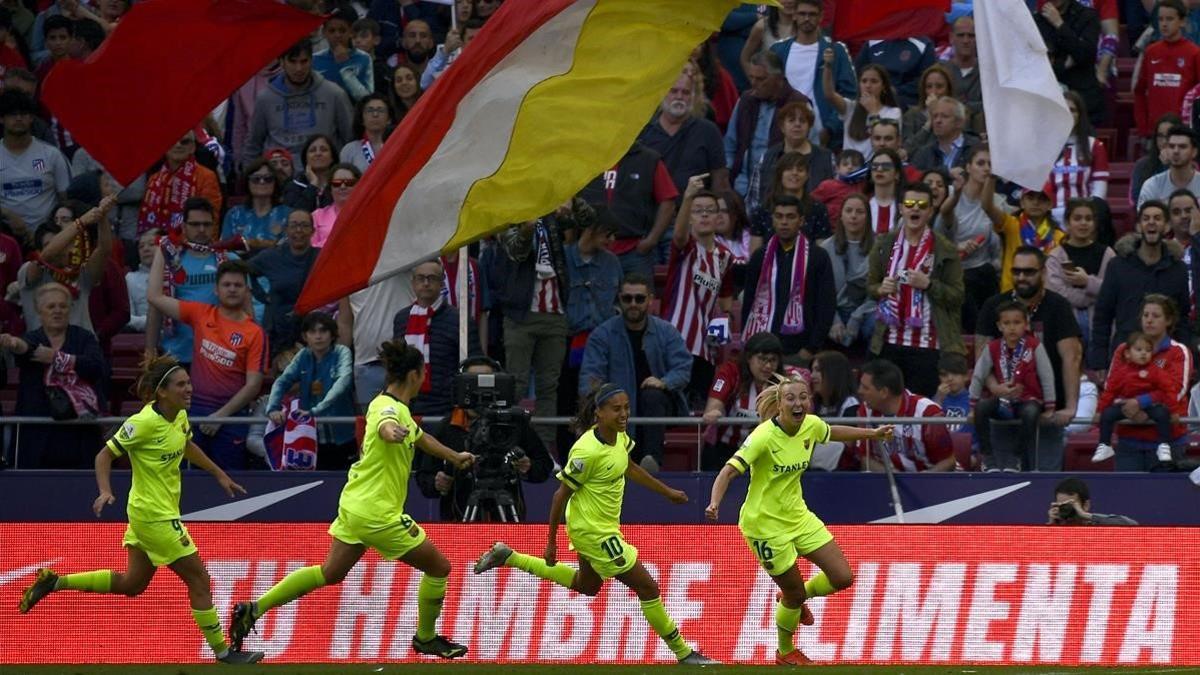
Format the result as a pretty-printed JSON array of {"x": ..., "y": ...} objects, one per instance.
[
  {"x": 155, "y": 448},
  {"x": 596, "y": 473},
  {"x": 378, "y": 482},
  {"x": 775, "y": 502}
]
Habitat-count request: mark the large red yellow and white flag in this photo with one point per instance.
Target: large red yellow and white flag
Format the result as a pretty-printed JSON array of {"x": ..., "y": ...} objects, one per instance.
[{"x": 548, "y": 95}]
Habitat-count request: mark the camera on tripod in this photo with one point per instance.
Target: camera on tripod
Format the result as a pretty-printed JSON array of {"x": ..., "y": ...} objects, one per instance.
[{"x": 493, "y": 437}]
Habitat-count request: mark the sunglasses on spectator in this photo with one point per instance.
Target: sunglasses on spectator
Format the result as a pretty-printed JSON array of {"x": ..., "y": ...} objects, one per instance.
[
  {"x": 1024, "y": 271},
  {"x": 633, "y": 298},
  {"x": 343, "y": 182},
  {"x": 427, "y": 278},
  {"x": 919, "y": 203},
  {"x": 262, "y": 179},
  {"x": 882, "y": 166}
]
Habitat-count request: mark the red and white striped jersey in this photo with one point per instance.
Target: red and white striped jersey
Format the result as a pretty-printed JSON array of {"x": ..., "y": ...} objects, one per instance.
[
  {"x": 923, "y": 336},
  {"x": 725, "y": 387},
  {"x": 450, "y": 285},
  {"x": 1070, "y": 179},
  {"x": 695, "y": 279},
  {"x": 915, "y": 447},
  {"x": 883, "y": 216}
]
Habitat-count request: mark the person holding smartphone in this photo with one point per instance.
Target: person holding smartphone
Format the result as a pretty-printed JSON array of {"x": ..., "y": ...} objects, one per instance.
[{"x": 1075, "y": 268}]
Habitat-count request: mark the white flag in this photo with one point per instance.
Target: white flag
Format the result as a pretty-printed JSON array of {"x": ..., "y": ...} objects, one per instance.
[{"x": 1028, "y": 121}]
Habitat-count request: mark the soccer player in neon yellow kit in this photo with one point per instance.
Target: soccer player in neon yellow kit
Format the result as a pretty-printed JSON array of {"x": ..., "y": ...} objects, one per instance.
[
  {"x": 156, "y": 440},
  {"x": 371, "y": 510},
  {"x": 591, "y": 492},
  {"x": 775, "y": 521}
]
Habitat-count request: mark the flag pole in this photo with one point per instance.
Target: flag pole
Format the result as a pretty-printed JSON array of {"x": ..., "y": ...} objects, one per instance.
[
  {"x": 464, "y": 300},
  {"x": 454, "y": 16}
]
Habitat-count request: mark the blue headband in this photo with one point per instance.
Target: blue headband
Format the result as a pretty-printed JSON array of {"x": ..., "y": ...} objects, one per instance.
[{"x": 606, "y": 392}]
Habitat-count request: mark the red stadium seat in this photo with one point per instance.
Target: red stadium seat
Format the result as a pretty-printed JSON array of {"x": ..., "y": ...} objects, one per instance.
[
  {"x": 1077, "y": 456},
  {"x": 681, "y": 446}
]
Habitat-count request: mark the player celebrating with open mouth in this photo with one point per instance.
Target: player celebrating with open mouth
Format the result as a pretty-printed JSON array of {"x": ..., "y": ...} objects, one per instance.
[
  {"x": 591, "y": 493},
  {"x": 156, "y": 440},
  {"x": 775, "y": 520},
  {"x": 371, "y": 510}
]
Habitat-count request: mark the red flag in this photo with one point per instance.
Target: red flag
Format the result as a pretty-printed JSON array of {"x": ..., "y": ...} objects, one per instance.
[
  {"x": 168, "y": 63},
  {"x": 856, "y": 21}
]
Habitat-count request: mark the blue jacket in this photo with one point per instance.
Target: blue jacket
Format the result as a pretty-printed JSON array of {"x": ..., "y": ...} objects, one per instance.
[
  {"x": 594, "y": 286},
  {"x": 334, "y": 396},
  {"x": 608, "y": 357},
  {"x": 844, "y": 81}
]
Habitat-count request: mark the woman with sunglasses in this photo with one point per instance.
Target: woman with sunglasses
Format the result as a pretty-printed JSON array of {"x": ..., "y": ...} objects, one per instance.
[
  {"x": 343, "y": 178},
  {"x": 260, "y": 222},
  {"x": 884, "y": 183}
]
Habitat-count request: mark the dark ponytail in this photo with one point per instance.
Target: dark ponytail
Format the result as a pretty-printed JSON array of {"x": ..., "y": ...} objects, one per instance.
[
  {"x": 154, "y": 375},
  {"x": 586, "y": 417},
  {"x": 399, "y": 359}
]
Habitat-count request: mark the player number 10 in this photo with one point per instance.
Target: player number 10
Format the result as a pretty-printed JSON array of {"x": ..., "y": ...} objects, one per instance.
[{"x": 612, "y": 547}]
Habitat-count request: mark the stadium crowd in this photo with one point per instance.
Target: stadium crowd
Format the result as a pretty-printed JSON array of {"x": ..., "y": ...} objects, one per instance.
[{"x": 794, "y": 205}]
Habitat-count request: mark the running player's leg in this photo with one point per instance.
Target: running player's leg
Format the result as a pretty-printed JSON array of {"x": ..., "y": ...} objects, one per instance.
[
  {"x": 338, "y": 562},
  {"x": 435, "y": 569},
  {"x": 835, "y": 574},
  {"x": 639, "y": 581},
  {"x": 587, "y": 580},
  {"x": 191, "y": 570},
  {"x": 136, "y": 577},
  {"x": 501, "y": 555},
  {"x": 789, "y": 608}
]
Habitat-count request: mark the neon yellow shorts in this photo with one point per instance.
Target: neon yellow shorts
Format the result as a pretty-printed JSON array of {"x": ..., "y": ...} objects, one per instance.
[
  {"x": 163, "y": 541},
  {"x": 778, "y": 554},
  {"x": 393, "y": 540},
  {"x": 609, "y": 554}
]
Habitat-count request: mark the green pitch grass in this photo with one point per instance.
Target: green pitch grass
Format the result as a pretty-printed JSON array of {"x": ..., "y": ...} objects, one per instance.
[{"x": 521, "y": 669}]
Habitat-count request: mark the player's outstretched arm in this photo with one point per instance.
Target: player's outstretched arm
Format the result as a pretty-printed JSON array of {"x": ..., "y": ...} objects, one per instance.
[
  {"x": 196, "y": 456},
  {"x": 853, "y": 434},
  {"x": 637, "y": 474},
  {"x": 432, "y": 446},
  {"x": 720, "y": 485}
]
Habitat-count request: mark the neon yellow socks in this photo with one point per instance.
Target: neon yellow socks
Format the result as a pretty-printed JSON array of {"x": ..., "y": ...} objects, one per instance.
[
  {"x": 97, "y": 581},
  {"x": 210, "y": 626},
  {"x": 818, "y": 585},
  {"x": 289, "y": 588},
  {"x": 430, "y": 593},
  {"x": 656, "y": 615},
  {"x": 560, "y": 574},
  {"x": 786, "y": 621}
]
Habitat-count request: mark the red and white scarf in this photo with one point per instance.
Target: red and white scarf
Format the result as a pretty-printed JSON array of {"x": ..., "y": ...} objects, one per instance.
[
  {"x": 174, "y": 246},
  {"x": 450, "y": 284},
  {"x": 906, "y": 307},
  {"x": 61, "y": 373},
  {"x": 763, "y": 310},
  {"x": 166, "y": 191},
  {"x": 416, "y": 333}
]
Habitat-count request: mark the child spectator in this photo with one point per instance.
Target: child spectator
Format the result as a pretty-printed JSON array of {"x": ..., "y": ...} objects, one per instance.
[
  {"x": 137, "y": 280},
  {"x": 325, "y": 372},
  {"x": 1130, "y": 378},
  {"x": 1031, "y": 226},
  {"x": 342, "y": 64},
  {"x": 851, "y": 175},
  {"x": 57, "y": 32},
  {"x": 366, "y": 39},
  {"x": 1016, "y": 369},
  {"x": 954, "y": 377}
]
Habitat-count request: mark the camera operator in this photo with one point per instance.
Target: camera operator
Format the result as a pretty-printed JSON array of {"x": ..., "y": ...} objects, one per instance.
[
  {"x": 1072, "y": 506},
  {"x": 439, "y": 480}
]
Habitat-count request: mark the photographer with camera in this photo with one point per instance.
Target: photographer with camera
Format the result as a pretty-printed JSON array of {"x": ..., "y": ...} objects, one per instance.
[
  {"x": 508, "y": 450},
  {"x": 1072, "y": 506}
]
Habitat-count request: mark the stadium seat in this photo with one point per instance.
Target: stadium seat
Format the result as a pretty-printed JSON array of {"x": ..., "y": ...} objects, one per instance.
[
  {"x": 681, "y": 446},
  {"x": 1077, "y": 456},
  {"x": 962, "y": 449}
]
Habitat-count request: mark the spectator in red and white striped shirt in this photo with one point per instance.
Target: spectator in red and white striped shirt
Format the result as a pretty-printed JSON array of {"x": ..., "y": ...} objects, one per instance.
[
  {"x": 915, "y": 447},
  {"x": 1081, "y": 170},
  {"x": 734, "y": 391},
  {"x": 699, "y": 279}
]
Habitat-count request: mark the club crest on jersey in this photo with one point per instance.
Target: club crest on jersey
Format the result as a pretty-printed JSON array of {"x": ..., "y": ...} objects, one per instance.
[
  {"x": 39, "y": 165},
  {"x": 235, "y": 339},
  {"x": 577, "y": 465}
]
